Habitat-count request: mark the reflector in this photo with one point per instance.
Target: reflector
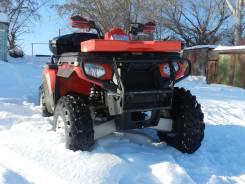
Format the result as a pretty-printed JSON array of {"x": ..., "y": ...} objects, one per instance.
[{"x": 149, "y": 27}]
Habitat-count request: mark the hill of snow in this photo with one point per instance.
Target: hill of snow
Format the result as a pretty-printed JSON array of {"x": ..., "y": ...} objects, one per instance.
[{"x": 31, "y": 153}]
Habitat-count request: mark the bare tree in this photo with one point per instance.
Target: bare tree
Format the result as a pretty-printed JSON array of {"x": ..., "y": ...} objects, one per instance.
[
  {"x": 236, "y": 9},
  {"x": 22, "y": 14},
  {"x": 192, "y": 21},
  {"x": 107, "y": 13},
  {"x": 196, "y": 22}
]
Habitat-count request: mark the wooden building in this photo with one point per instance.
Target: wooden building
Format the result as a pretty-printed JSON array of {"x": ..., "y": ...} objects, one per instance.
[{"x": 199, "y": 56}]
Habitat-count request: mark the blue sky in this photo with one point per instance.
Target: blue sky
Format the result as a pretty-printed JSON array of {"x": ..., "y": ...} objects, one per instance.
[{"x": 44, "y": 30}]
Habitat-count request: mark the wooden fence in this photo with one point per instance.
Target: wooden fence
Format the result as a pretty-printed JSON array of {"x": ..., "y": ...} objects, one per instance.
[
  {"x": 227, "y": 68},
  {"x": 219, "y": 66}
]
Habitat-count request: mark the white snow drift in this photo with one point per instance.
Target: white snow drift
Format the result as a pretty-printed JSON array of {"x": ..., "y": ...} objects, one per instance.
[{"x": 31, "y": 153}]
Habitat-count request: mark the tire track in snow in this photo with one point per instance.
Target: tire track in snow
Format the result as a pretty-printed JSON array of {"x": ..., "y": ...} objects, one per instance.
[
  {"x": 144, "y": 161},
  {"x": 32, "y": 172}
]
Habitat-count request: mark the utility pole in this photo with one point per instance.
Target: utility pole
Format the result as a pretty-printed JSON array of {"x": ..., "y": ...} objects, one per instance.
[{"x": 32, "y": 48}]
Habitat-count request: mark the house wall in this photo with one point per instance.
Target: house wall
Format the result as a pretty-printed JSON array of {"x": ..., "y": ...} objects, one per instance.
[{"x": 3, "y": 41}]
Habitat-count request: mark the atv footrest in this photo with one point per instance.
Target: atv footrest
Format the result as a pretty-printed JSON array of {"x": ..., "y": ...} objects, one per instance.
[{"x": 147, "y": 100}]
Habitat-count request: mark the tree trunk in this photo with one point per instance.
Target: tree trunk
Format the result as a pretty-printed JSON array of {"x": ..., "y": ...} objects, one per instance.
[
  {"x": 12, "y": 41},
  {"x": 238, "y": 31},
  {"x": 238, "y": 23}
]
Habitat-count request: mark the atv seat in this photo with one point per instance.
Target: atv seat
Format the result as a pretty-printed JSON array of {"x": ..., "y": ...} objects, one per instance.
[{"x": 69, "y": 42}]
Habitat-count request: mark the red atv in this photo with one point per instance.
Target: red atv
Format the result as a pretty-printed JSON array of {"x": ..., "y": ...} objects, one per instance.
[{"x": 97, "y": 84}]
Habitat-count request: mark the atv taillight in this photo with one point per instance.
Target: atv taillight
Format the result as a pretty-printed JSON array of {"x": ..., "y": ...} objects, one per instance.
[{"x": 100, "y": 71}]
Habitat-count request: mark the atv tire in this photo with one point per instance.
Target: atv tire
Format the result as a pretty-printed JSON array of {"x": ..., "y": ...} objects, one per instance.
[
  {"x": 188, "y": 127},
  {"x": 42, "y": 103},
  {"x": 75, "y": 114}
]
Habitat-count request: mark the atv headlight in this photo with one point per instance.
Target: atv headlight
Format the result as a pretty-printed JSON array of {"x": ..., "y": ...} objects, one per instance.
[
  {"x": 94, "y": 70},
  {"x": 176, "y": 66},
  {"x": 166, "y": 69}
]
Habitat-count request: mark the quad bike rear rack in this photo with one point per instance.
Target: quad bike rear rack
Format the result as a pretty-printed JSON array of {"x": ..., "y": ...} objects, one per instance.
[{"x": 96, "y": 45}]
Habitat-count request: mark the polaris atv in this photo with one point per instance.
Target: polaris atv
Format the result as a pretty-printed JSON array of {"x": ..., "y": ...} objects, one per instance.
[{"x": 98, "y": 84}]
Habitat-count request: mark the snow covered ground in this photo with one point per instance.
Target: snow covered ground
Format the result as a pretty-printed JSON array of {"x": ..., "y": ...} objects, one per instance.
[{"x": 31, "y": 153}]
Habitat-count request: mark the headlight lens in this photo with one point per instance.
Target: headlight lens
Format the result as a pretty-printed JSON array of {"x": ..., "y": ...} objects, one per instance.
[
  {"x": 94, "y": 70},
  {"x": 166, "y": 69},
  {"x": 176, "y": 66}
]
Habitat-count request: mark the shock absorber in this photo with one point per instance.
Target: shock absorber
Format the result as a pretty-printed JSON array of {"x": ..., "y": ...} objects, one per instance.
[
  {"x": 100, "y": 111},
  {"x": 95, "y": 96}
]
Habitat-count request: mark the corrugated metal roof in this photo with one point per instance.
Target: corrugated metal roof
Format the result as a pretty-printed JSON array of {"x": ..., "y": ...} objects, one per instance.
[
  {"x": 240, "y": 47},
  {"x": 201, "y": 47}
]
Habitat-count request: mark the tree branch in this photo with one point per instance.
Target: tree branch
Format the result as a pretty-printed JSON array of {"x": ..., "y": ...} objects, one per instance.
[{"x": 231, "y": 7}]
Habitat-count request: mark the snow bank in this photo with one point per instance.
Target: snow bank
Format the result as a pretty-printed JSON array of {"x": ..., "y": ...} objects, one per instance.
[
  {"x": 4, "y": 18},
  {"x": 31, "y": 153},
  {"x": 20, "y": 78}
]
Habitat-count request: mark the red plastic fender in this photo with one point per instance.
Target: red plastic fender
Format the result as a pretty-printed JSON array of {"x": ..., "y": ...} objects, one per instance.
[
  {"x": 82, "y": 76},
  {"x": 50, "y": 77}
]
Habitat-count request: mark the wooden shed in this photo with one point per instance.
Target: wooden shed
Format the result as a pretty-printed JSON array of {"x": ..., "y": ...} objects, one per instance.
[
  {"x": 227, "y": 66},
  {"x": 199, "y": 57},
  {"x": 4, "y": 26}
]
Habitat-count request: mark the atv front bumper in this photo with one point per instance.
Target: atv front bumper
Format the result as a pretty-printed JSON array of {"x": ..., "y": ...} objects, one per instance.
[{"x": 137, "y": 83}]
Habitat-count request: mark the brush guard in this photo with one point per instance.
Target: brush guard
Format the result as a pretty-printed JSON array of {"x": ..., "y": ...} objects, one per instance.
[
  {"x": 128, "y": 100},
  {"x": 129, "y": 105}
]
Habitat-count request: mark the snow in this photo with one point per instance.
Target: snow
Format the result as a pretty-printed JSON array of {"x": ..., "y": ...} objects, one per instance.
[
  {"x": 31, "y": 153},
  {"x": 4, "y": 18},
  {"x": 223, "y": 48},
  {"x": 201, "y": 47},
  {"x": 216, "y": 47}
]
